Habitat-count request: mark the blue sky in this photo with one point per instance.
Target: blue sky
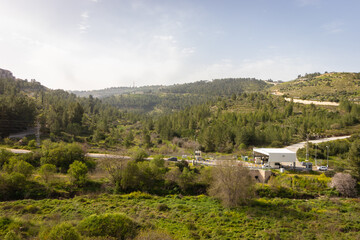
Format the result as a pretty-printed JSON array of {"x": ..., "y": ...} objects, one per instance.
[{"x": 94, "y": 44}]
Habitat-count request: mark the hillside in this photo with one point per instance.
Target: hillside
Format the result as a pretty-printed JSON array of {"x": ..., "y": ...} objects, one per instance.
[
  {"x": 217, "y": 87},
  {"x": 113, "y": 91},
  {"x": 324, "y": 87}
]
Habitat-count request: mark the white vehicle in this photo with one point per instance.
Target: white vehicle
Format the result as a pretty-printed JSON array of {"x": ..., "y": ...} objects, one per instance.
[
  {"x": 322, "y": 168},
  {"x": 266, "y": 166}
]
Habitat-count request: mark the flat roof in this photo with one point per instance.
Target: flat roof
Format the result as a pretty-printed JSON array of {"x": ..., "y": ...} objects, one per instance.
[{"x": 267, "y": 151}]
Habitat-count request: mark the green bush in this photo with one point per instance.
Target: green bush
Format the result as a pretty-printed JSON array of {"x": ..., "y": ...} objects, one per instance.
[
  {"x": 78, "y": 172},
  {"x": 4, "y": 224},
  {"x": 64, "y": 231},
  {"x": 139, "y": 155},
  {"x": 11, "y": 235},
  {"x": 19, "y": 166},
  {"x": 61, "y": 154},
  {"x": 4, "y": 156},
  {"x": 112, "y": 225}
]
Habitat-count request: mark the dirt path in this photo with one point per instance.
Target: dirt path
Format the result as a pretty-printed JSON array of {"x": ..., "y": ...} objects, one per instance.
[{"x": 312, "y": 102}]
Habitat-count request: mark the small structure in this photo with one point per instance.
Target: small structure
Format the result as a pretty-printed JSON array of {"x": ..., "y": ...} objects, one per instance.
[
  {"x": 197, "y": 155},
  {"x": 274, "y": 156}
]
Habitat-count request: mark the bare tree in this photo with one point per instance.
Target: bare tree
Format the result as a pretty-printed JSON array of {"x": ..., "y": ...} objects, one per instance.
[
  {"x": 115, "y": 168},
  {"x": 232, "y": 184},
  {"x": 345, "y": 184}
]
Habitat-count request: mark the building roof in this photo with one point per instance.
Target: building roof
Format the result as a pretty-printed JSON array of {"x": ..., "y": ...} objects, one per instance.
[{"x": 268, "y": 151}]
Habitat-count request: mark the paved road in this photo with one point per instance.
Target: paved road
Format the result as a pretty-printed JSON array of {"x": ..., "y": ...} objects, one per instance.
[
  {"x": 296, "y": 146},
  {"x": 102, "y": 155},
  {"x": 299, "y": 145}
]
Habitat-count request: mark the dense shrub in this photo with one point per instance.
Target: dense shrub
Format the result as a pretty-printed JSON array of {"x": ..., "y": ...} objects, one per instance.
[
  {"x": 78, "y": 172},
  {"x": 4, "y": 156},
  {"x": 18, "y": 166},
  {"x": 113, "y": 225},
  {"x": 4, "y": 224},
  {"x": 139, "y": 155},
  {"x": 15, "y": 186},
  {"x": 64, "y": 231},
  {"x": 61, "y": 154}
]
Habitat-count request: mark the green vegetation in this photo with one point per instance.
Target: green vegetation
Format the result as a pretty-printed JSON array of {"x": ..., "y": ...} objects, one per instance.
[
  {"x": 324, "y": 87},
  {"x": 197, "y": 217}
]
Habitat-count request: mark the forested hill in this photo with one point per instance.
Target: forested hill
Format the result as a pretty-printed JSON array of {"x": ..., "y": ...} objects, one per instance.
[
  {"x": 324, "y": 87},
  {"x": 217, "y": 87},
  {"x": 113, "y": 91}
]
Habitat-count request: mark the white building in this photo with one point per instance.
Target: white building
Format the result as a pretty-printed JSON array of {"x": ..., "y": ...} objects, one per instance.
[{"x": 274, "y": 156}]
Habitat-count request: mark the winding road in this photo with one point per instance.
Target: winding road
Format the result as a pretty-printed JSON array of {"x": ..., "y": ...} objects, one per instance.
[{"x": 299, "y": 145}]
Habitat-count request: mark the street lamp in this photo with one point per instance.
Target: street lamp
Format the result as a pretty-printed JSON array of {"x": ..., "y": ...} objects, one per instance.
[
  {"x": 327, "y": 159},
  {"x": 316, "y": 154}
]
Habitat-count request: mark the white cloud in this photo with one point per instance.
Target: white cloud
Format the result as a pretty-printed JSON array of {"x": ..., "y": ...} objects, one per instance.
[
  {"x": 333, "y": 27},
  {"x": 83, "y": 25}
]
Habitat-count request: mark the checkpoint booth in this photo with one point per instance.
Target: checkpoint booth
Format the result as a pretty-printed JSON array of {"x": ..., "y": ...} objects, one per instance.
[{"x": 274, "y": 157}]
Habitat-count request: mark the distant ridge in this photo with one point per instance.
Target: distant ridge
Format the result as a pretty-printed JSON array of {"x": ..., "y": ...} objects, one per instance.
[{"x": 6, "y": 74}]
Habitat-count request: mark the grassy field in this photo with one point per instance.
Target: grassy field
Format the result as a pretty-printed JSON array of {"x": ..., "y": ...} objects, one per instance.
[{"x": 195, "y": 217}]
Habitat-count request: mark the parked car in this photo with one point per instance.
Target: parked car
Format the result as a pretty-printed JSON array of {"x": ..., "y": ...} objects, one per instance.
[
  {"x": 266, "y": 166},
  {"x": 322, "y": 168},
  {"x": 172, "y": 159}
]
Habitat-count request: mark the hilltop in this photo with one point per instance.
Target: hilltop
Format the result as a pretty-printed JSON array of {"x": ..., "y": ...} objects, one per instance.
[{"x": 332, "y": 86}]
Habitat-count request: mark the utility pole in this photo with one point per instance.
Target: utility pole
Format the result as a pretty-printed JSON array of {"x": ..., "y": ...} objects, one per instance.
[
  {"x": 307, "y": 148},
  {"x": 315, "y": 154},
  {"x": 38, "y": 126},
  {"x": 327, "y": 163}
]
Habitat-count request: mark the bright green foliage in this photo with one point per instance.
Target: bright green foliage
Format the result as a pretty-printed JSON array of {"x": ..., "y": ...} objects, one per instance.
[
  {"x": 64, "y": 231},
  {"x": 196, "y": 217},
  {"x": 4, "y": 156},
  {"x": 310, "y": 184},
  {"x": 11, "y": 235},
  {"x": 18, "y": 166},
  {"x": 78, "y": 172},
  {"x": 139, "y": 155},
  {"x": 61, "y": 155},
  {"x": 113, "y": 225},
  {"x": 354, "y": 159}
]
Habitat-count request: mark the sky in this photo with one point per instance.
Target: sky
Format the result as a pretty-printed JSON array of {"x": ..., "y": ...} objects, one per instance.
[{"x": 96, "y": 44}]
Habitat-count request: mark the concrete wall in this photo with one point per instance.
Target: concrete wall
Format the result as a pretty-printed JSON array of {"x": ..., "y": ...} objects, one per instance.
[{"x": 260, "y": 175}]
